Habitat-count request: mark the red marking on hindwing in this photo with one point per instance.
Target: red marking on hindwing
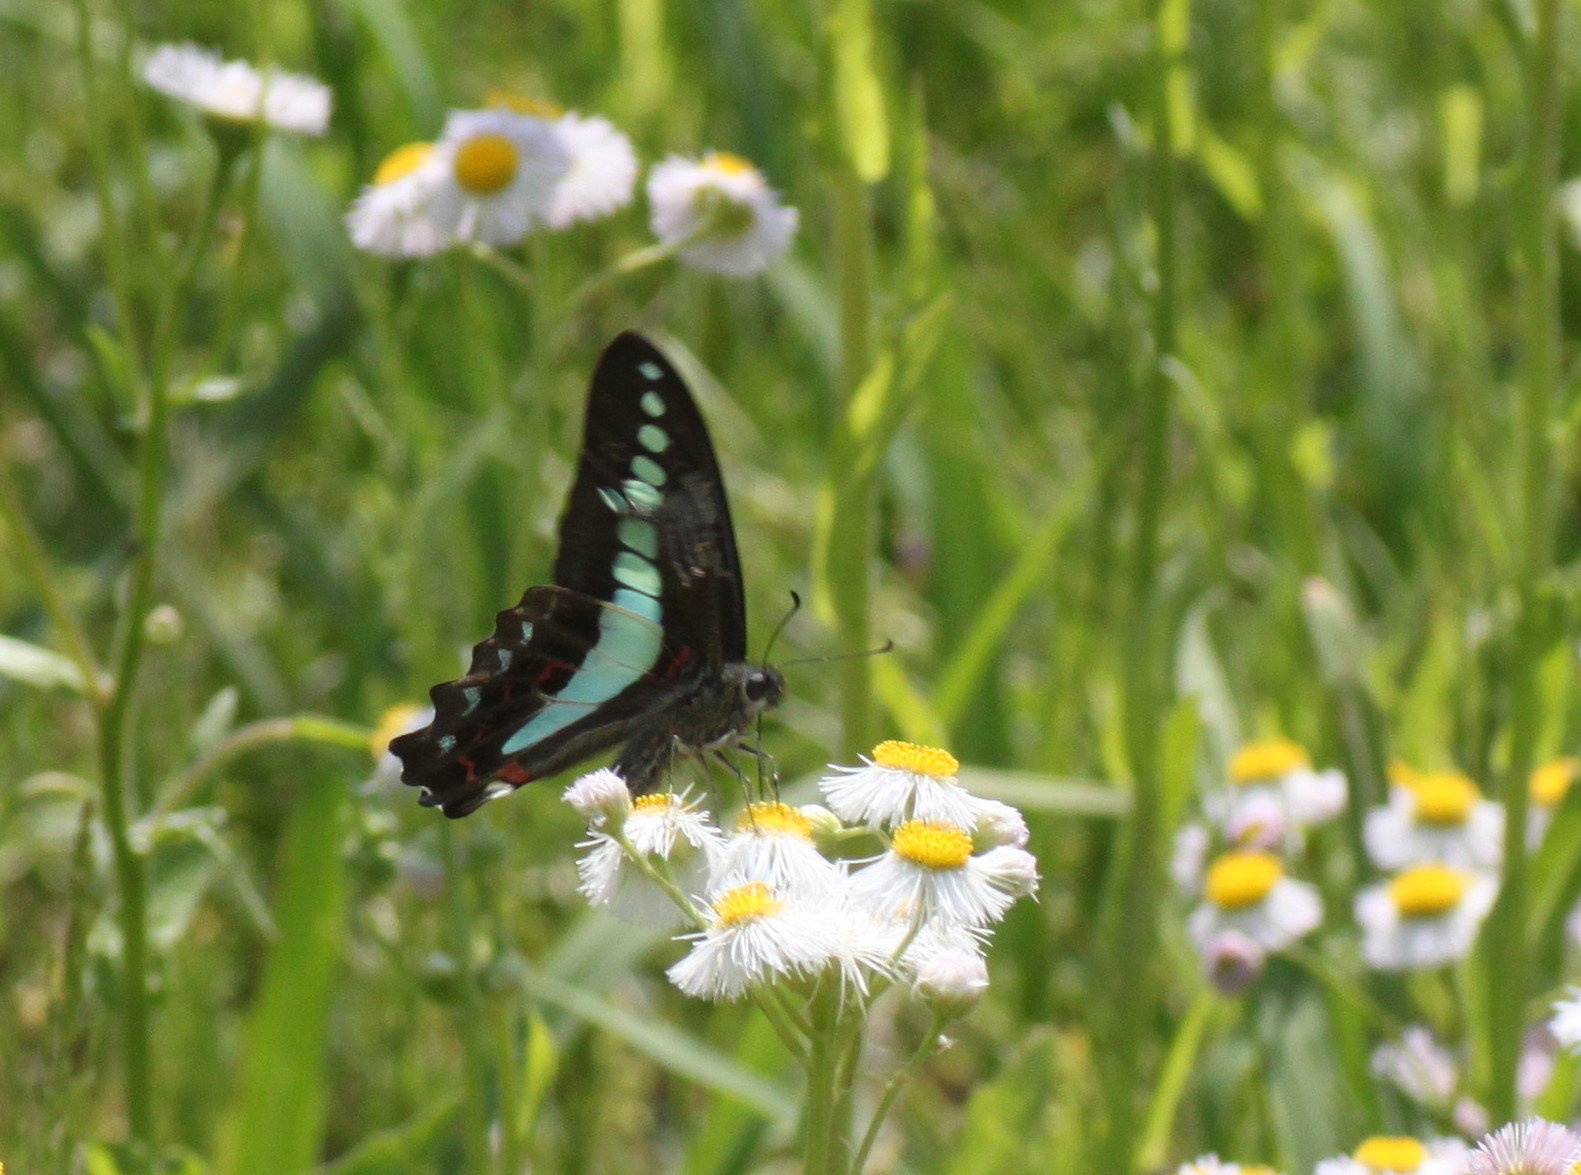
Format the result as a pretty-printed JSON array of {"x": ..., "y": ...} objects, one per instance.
[{"x": 514, "y": 774}]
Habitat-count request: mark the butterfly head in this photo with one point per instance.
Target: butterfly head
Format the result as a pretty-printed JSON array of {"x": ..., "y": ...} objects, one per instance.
[{"x": 762, "y": 688}]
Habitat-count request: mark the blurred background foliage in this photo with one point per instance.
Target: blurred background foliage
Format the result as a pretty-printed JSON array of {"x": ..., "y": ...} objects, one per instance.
[{"x": 368, "y": 461}]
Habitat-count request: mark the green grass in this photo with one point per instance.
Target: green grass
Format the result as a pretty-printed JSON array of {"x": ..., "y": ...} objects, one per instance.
[{"x": 1155, "y": 380}]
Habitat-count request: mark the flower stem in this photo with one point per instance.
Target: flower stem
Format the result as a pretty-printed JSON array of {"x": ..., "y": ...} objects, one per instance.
[
  {"x": 898, "y": 1080},
  {"x": 824, "y": 1147}
]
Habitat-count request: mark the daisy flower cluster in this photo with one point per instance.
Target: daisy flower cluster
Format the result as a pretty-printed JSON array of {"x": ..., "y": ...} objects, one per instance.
[
  {"x": 1531, "y": 1147},
  {"x": 1249, "y": 906},
  {"x": 496, "y": 174},
  {"x": 769, "y": 904},
  {"x": 236, "y": 92}
]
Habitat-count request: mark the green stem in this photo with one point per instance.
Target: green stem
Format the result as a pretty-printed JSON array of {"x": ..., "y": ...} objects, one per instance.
[
  {"x": 1509, "y": 972},
  {"x": 306, "y": 728},
  {"x": 898, "y": 1080},
  {"x": 823, "y": 1144}
]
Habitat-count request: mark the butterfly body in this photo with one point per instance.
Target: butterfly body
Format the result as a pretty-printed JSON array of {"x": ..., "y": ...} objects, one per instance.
[{"x": 639, "y": 643}]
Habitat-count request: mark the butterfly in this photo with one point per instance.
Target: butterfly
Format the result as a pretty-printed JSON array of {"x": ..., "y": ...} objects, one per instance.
[{"x": 640, "y": 641}]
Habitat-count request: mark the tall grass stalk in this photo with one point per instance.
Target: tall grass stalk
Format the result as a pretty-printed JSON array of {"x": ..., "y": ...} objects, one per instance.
[{"x": 1506, "y": 954}]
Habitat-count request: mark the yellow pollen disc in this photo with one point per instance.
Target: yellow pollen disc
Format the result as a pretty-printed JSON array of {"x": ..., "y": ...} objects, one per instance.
[
  {"x": 507, "y": 100},
  {"x": 1427, "y": 891},
  {"x": 729, "y": 163},
  {"x": 773, "y": 816},
  {"x": 1386, "y": 1153},
  {"x": 402, "y": 162},
  {"x": 1552, "y": 780},
  {"x": 911, "y": 757},
  {"x": 933, "y": 844},
  {"x": 1240, "y": 879},
  {"x": 744, "y": 903},
  {"x": 1267, "y": 758},
  {"x": 394, "y": 720},
  {"x": 1256, "y": 1169},
  {"x": 1401, "y": 772},
  {"x": 486, "y": 164},
  {"x": 1444, "y": 797},
  {"x": 660, "y": 799}
]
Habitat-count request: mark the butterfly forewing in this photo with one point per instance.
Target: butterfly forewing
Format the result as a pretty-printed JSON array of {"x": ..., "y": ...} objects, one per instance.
[{"x": 646, "y": 607}]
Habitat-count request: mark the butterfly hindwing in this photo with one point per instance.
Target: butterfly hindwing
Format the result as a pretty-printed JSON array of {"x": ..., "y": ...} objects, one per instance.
[{"x": 635, "y": 633}]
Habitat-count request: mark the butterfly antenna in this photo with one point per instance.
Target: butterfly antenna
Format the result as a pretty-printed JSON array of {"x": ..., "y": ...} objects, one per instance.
[
  {"x": 886, "y": 647},
  {"x": 780, "y": 627}
]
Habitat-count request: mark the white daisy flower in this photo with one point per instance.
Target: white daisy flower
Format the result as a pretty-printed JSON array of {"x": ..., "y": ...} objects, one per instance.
[
  {"x": 499, "y": 173},
  {"x": 603, "y": 167},
  {"x": 1279, "y": 769},
  {"x": 1566, "y": 1020},
  {"x": 1441, "y": 817},
  {"x": 600, "y": 797},
  {"x": 1550, "y": 782},
  {"x": 1247, "y": 891},
  {"x": 754, "y": 936},
  {"x": 1260, "y": 821},
  {"x": 1424, "y": 917},
  {"x": 1532, "y": 1147},
  {"x": 721, "y": 207},
  {"x": 392, "y": 216},
  {"x": 663, "y": 828},
  {"x": 1399, "y": 1155},
  {"x": 1232, "y": 961},
  {"x": 930, "y": 871},
  {"x": 901, "y": 781},
  {"x": 773, "y": 844},
  {"x": 1420, "y": 1067},
  {"x": 238, "y": 92}
]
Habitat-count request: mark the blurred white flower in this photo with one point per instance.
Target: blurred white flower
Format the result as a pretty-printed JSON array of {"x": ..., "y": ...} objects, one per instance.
[
  {"x": 498, "y": 173},
  {"x": 1247, "y": 891},
  {"x": 754, "y": 936},
  {"x": 393, "y": 216},
  {"x": 721, "y": 207},
  {"x": 1280, "y": 770},
  {"x": 1532, "y": 1147},
  {"x": 901, "y": 781},
  {"x": 1213, "y": 1165},
  {"x": 1440, "y": 817},
  {"x": 1424, "y": 917},
  {"x": 1189, "y": 857},
  {"x": 1232, "y": 961},
  {"x": 236, "y": 91},
  {"x": 602, "y": 174},
  {"x": 1566, "y": 1020},
  {"x": 1399, "y": 1155},
  {"x": 1420, "y": 1067}
]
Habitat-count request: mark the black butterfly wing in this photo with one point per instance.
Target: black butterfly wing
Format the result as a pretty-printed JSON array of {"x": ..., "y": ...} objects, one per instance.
[{"x": 647, "y": 598}]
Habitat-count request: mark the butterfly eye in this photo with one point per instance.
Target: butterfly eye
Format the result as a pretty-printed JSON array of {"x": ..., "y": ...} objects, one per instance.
[{"x": 758, "y": 685}]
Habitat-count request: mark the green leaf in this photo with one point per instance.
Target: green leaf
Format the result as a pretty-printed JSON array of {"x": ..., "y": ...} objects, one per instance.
[
  {"x": 34, "y": 665},
  {"x": 858, "y": 97}
]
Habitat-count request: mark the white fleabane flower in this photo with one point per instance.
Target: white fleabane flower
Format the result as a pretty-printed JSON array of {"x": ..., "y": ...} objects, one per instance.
[
  {"x": 392, "y": 215},
  {"x": 1440, "y": 817},
  {"x": 602, "y": 173},
  {"x": 238, "y": 92},
  {"x": 1532, "y": 1147},
  {"x": 730, "y": 219},
  {"x": 663, "y": 828},
  {"x": 600, "y": 797},
  {"x": 931, "y": 872},
  {"x": 499, "y": 171},
  {"x": 1247, "y": 891},
  {"x": 753, "y": 937},
  {"x": 1399, "y": 1155},
  {"x": 1424, "y": 917},
  {"x": 901, "y": 781},
  {"x": 1261, "y": 821},
  {"x": 773, "y": 844},
  {"x": 1420, "y": 1067},
  {"x": 1566, "y": 1020},
  {"x": 1279, "y": 769}
]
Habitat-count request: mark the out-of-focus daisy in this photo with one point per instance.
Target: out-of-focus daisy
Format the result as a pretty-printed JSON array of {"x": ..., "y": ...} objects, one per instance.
[
  {"x": 901, "y": 781},
  {"x": 1566, "y": 1020},
  {"x": 1279, "y": 769},
  {"x": 930, "y": 871},
  {"x": 1247, "y": 891},
  {"x": 499, "y": 170},
  {"x": 773, "y": 844},
  {"x": 1441, "y": 817},
  {"x": 1189, "y": 856},
  {"x": 1213, "y": 1165},
  {"x": 603, "y": 167},
  {"x": 392, "y": 216},
  {"x": 723, "y": 212},
  {"x": 754, "y": 936},
  {"x": 1420, "y": 1067},
  {"x": 1426, "y": 916},
  {"x": 235, "y": 91},
  {"x": 1399, "y": 1155},
  {"x": 1532, "y": 1147},
  {"x": 1399, "y": 771},
  {"x": 1260, "y": 822},
  {"x": 668, "y": 831},
  {"x": 1550, "y": 782},
  {"x": 1232, "y": 961}
]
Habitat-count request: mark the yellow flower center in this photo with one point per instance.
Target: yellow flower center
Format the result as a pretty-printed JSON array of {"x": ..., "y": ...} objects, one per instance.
[
  {"x": 744, "y": 903},
  {"x": 728, "y": 163},
  {"x": 1444, "y": 797},
  {"x": 1386, "y": 1153},
  {"x": 486, "y": 164},
  {"x": 1552, "y": 780},
  {"x": 1267, "y": 758},
  {"x": 1401, "y": 772},
  {"x": 1240, "y": 879},
  {"x": 656, "y": 799},
  {"x": 1427, "y": 891},
  {"x": 773, "y": 816},
  {"x": 933, "y": 844},
  {"x": 402, "y": 162},
  {"x": 1256, "y": 1169},
  {"x": 508, "y": 100},
  {"x": 911, "y": 757},
  {"x": 394, "y": 720}
]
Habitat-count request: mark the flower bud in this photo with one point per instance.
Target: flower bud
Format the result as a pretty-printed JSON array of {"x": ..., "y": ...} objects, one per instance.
[
  {"x": 951, "y": 981},
  {"x": 998, "y": 824},
  {"x": 601, "y": 797}
]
